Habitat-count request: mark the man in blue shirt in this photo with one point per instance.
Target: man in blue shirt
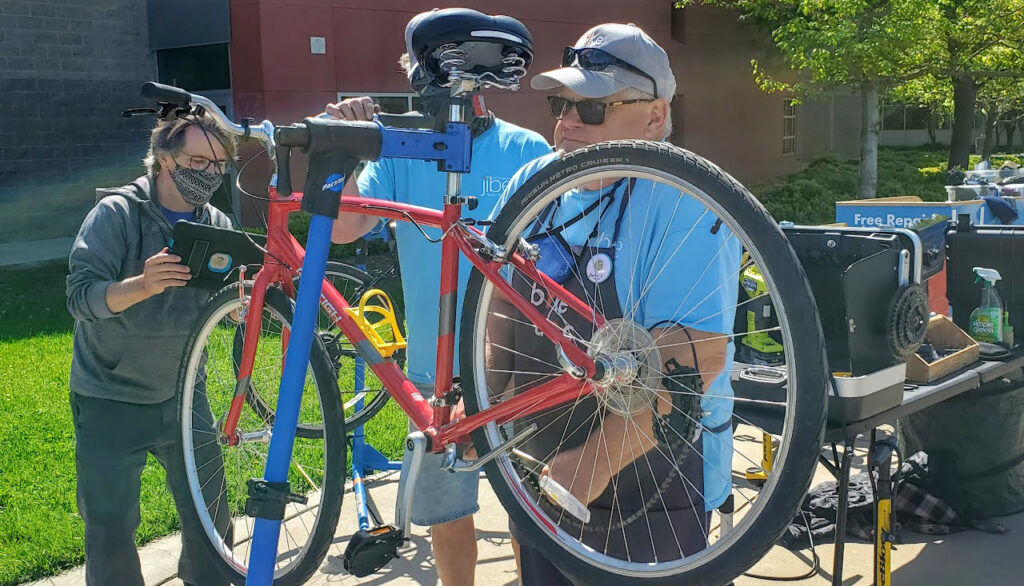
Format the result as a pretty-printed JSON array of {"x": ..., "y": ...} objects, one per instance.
[
  {"x": 442, "y": 500},
  {"x": 623, "y": 257}
]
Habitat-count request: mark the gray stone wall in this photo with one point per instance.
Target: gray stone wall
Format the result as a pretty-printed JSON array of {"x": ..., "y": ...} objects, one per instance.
[{"x": 67, "y": 70}]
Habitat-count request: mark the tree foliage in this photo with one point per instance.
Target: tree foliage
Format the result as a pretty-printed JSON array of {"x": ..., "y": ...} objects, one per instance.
[{"x": 948, "y": 55}]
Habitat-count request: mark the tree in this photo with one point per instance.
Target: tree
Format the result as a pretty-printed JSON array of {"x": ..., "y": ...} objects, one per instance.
[
  {"x": 934, "y": 94},
  {"x": 873, "y": 45},
  {"x": 981, "y": 41},
  {"x": 1000, "y": 100}
]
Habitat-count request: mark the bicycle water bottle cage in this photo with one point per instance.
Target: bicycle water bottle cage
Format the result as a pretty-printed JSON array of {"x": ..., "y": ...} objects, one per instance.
[{"x": 376, "y": 331}]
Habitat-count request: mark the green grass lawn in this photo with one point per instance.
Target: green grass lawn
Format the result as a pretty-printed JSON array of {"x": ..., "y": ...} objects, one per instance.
[{"x": 40, "y": 530}]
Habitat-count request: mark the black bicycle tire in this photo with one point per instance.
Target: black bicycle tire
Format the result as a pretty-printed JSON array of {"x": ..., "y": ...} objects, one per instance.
[
  {"x": 369, "y": 409},
  {"x": 808, "y": 354},
  {"x": 335, "y": 451}
]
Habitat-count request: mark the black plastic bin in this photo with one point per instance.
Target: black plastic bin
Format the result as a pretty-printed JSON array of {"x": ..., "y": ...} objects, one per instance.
[{"x": 975, "y": 442}]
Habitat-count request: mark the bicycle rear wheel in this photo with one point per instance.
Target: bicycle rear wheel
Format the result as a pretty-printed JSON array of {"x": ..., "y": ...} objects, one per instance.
[
  {"x": 614, "y": 485},
  {"x": 351, "y": 283},
  {"x": 218, "y": 468}
]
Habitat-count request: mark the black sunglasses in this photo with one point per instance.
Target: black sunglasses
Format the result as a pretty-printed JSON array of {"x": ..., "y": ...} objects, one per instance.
[
  {"x": 591, "y": 112},
  {"x": 593, "y": 59}
]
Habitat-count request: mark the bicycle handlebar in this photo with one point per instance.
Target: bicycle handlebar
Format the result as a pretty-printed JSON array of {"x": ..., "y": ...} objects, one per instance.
[{"x": 166, "y": 94}]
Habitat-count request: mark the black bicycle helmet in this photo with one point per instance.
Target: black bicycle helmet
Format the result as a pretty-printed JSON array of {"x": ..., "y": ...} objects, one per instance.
[{"x": 471, "y": 41}]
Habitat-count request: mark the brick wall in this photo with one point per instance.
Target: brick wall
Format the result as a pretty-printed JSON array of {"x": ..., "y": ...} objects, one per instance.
[{"x": 67, "y": 69}]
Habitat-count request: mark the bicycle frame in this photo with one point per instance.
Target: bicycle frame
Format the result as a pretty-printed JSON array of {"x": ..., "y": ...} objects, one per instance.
[{"x": 285, "y": 255}]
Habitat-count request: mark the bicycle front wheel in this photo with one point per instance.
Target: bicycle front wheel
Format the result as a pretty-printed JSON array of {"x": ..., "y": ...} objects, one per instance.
[
  {"x": 616, "y": 484},
  {"x": 218, "y": 467}
]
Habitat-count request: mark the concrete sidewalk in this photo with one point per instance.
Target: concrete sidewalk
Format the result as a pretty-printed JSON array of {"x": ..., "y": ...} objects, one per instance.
[
  {"x": 28, "y": 253},
  {"x": 970, "y": 558}
]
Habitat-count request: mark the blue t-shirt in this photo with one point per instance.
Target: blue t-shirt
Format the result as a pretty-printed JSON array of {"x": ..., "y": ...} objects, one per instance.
[
  {"x": 497, "y": 154},
  {"x": 670, "y": 265},
  {"x": 173, "y": 216}
]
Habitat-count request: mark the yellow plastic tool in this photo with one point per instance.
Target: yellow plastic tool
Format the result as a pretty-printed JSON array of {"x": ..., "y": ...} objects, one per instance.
[
  {"x": 372, "y": 329},
  {"x": 759, "y": 475}
]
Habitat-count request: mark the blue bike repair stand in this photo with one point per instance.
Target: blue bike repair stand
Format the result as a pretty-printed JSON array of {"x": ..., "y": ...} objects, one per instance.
[
  {"x": 266, "y": 531},
  {"x": 365, "y": 458},
  {"x": 452, "y": 150}
]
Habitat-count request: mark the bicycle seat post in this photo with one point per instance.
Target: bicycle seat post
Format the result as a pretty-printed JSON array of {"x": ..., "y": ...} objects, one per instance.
[{"x": 457, "y": 114}]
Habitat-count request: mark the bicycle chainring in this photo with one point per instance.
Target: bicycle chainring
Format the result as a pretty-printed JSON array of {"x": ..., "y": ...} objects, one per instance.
[{"x": 907, "y": 321}]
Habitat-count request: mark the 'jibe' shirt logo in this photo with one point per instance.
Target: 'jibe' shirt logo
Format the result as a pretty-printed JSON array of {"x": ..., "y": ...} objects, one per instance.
[{"x": 494, "y": 186}]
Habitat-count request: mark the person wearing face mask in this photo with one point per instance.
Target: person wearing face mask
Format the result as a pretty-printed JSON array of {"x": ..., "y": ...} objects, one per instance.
[
  {"x": 615, "y": 83},
  {"x": 444, "y": 501},
  {"x": 133, "y": 317}
]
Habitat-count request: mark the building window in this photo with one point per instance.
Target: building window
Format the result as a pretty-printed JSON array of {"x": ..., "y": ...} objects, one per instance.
[
  {"x": 390, "y": 103},
  {"x": 898, "y": 117},
  {"x": 789, "y": 127}
]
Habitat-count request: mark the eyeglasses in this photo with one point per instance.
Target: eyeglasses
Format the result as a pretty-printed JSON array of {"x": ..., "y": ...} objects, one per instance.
[
  {"x": 591, "y": 112},
  {"x": 200, "y": 163},
  {"x": 593, "y": 59}
]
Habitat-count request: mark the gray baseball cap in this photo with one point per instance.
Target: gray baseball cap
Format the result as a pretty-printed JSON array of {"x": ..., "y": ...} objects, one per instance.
[{"x": 625, "y": 42}]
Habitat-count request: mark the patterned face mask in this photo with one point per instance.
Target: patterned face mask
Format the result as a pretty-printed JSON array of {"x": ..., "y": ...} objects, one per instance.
[{"x": 196, "y": 187}]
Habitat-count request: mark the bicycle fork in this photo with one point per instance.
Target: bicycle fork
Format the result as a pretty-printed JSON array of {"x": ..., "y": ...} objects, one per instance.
[{"x": 252, "y": 313}]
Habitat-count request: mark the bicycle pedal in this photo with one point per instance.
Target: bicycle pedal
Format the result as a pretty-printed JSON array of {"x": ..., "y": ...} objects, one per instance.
[{"x": 369, "y": 551}]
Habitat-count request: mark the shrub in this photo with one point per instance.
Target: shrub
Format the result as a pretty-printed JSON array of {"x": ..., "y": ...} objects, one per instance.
[{"x": 809, "y": 197}]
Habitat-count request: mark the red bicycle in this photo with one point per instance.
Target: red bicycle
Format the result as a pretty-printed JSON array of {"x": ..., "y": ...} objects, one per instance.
[{"x": 586, "y": 411}]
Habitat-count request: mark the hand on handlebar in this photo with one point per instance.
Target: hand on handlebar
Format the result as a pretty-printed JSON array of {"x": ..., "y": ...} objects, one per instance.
[{"x": 361, "y": 108}]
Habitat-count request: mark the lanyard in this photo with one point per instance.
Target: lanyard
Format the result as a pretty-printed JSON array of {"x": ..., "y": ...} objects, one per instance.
[{"x": 606, "y": 198}]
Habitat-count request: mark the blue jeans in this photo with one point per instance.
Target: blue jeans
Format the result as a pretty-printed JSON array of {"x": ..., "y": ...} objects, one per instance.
[{"x": 439, "y": 496}]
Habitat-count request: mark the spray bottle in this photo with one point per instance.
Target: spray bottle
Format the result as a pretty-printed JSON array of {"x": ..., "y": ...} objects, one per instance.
[{"x": 987, "y": 320}]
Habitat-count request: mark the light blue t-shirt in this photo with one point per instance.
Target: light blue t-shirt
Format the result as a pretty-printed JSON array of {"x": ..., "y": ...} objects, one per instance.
[
  {"x": 497, "y": 154},
  {"x": 671, "y": 264}
]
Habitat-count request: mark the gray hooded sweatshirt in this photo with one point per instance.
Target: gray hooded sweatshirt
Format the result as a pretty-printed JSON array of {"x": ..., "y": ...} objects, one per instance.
[{"x": 132, "y": 356}]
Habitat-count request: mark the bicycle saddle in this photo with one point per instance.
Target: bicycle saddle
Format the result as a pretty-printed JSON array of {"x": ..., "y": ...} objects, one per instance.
[{"x": 490, "y": 48}]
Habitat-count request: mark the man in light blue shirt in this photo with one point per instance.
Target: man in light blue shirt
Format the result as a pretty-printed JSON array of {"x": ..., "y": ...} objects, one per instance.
[
  {"x": 624, "y": 256},
  {"x": 442, "y": 500}
]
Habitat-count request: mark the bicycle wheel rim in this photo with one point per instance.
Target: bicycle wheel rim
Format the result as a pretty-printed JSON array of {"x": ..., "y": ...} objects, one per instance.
[
  {"x": 302, "y": 521},
  {"x": 507, "y": 233}
]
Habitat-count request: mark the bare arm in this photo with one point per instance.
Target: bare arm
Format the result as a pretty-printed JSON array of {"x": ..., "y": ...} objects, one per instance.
[
  {"x": 162, "y": 270},
  {"x": 622, "y": 440}
]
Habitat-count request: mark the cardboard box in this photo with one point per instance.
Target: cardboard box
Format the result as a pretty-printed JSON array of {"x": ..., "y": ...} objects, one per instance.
[
  {"x": 943, "y": 334},
  {"x": 905, "y": 211}
]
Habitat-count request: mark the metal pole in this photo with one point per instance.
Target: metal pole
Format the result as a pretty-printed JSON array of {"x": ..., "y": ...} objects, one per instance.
[{"x": 267, "y": 531}]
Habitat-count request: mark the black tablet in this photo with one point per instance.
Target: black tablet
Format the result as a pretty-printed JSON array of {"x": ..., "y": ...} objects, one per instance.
[{"x": 212, "y": 254}]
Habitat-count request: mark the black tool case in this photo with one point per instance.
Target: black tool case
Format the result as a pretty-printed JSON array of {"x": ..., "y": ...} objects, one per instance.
[
  {"x": 854, "y": 273},
  {"x": 995, "y": 247}
]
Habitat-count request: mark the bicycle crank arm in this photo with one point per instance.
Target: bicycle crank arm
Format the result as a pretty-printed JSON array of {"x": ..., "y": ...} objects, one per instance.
[{"x": 451, "y": 463}]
